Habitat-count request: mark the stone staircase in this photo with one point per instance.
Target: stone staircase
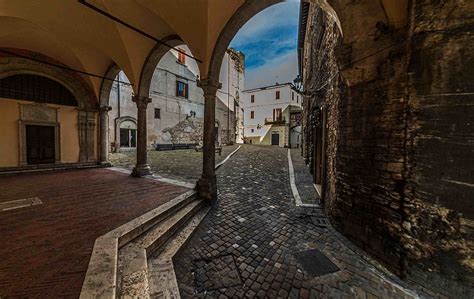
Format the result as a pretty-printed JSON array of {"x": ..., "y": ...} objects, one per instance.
[{"x": 135, "y": 260}]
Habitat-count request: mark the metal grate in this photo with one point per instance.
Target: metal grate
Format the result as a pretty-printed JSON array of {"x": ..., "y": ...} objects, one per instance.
[
  {"x": 36, "y": 88},
  {"x": 315, "y": 263}
]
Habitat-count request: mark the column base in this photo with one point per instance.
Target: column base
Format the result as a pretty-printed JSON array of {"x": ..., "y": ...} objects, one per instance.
[
  {"x": 207, "y": 188},
  {"x": 141, "y": 170},
  {"x": 106, "y": 164}
]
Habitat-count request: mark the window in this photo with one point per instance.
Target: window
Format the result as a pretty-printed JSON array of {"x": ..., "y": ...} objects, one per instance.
[
  {"x": 293, "y": 96},
  {"x": 181, "y": 89},
  {"x": 157, "y": 113},
  {"x": 252, "y": 98},
  {"x": 277, "y": 95},
  {"x": 181, "y": 56},
  {"x": 252, "y": 114},
  {"x": 277, "y": 115},
  {"x": 252, "y": 130},
  {"x": 297, "y": 98}
]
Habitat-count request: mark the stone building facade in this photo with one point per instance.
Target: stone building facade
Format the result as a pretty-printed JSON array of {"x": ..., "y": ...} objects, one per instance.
[
  {"x": 271, "y": 115},
  {"x": 175, "y": 114},
  {"x": 388, "y": 132}
]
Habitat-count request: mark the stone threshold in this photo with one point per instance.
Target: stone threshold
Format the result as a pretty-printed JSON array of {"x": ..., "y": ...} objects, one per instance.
[
  {"x": 49, "y": 167},
  {"x": 19, "y": 203}
]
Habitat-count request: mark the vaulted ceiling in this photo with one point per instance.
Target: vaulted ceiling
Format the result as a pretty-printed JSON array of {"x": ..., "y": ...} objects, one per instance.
[{"x": 83, "y": 39}]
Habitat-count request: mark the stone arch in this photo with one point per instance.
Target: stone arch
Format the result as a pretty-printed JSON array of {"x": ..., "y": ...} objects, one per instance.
[
  {"x": 107, "y": 83},
  {"x": 245, "y": 12},
  {"x": 10, "y": 66},
  {"x": 158, "y": 51},
  {"x": 118, "y": 126},
  {"x": 126, "y": 118}
]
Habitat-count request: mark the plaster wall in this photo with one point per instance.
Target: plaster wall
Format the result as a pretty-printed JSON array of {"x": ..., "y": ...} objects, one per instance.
[
  {"x": 181, "y": 119},
  {"x": 264, "y": 103},
  {"x": 10, "y": 116}
]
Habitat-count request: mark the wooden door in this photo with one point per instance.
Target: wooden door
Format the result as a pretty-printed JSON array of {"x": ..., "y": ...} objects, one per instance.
[
  {"x": 40, "y": 144},
  {"x": 275, "y": 139}
]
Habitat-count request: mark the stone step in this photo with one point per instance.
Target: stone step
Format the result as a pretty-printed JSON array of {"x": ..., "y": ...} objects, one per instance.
[
  {"x": 132, "y": 263},
  {"x": 102, "y": 273},
  {"x": 161, "y": 276}
]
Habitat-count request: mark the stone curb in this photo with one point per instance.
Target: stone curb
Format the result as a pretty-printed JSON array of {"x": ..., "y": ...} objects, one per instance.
[
  {"x": 228, "y": 157},
  {"x": 294, "y": 189}
]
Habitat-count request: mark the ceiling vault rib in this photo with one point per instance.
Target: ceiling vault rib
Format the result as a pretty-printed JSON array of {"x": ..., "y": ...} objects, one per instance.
[
  {"x": 62, "y": 67},
  {"x": 116, "y": 19}
]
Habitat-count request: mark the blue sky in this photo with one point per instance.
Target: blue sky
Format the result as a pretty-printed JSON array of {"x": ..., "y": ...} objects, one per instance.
[{"x": 269, "y": 42}]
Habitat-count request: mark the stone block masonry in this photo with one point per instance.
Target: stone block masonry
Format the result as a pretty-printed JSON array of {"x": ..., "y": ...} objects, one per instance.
[{"x": 399, "y": 142}]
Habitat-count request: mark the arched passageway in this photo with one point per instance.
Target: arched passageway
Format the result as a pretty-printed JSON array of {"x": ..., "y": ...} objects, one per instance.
[
  {"x": 391, "y": 127},
  {"x": 365, "y": 132}
]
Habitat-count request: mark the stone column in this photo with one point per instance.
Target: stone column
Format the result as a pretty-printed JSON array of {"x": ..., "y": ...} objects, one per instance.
[
  {"x": 142, "y": 168},
  {"x": 104, "y": 135},
  {"x": 207, "y": 185}
]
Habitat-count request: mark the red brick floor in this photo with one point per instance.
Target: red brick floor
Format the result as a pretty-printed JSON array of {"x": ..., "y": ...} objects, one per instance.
[{"x": 45, "y": 249}]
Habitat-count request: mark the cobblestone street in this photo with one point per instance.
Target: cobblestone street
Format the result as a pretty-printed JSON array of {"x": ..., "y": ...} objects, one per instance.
[
  {"x": 184, "y": 165},
  {"x": 256, "y": 243}
]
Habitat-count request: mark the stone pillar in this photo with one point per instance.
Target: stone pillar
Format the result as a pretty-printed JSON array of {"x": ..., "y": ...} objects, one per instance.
[
  {"x": 207, "y": 185},
  {"x": 104, "y": 135},
  {"x": 142, "y": 168}
]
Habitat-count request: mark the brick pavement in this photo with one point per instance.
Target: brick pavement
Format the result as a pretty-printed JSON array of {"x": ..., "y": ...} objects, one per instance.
[
  {"x": 255, "y": 243},
  {"x": 45, "y": 249},
  {"x": 184, "y": 165}
]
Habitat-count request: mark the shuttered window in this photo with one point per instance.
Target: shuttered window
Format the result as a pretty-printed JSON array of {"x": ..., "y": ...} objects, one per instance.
[
  {"x": 181, "y": 56},
  {"x": 181, "y": 89}
]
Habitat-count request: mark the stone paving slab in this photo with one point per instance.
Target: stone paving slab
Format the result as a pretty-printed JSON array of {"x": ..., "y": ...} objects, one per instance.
[
  {"x": 185, "y": 165},
  {"x": 256, "y": 222},
  {"x": 45, "y": 249}
]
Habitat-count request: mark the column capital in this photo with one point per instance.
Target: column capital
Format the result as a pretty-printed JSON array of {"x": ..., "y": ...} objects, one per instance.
[
  {"x": 105, "y": 109},
  {"x": 142, "y": 102},
  {"x": 209, "y": 86}
]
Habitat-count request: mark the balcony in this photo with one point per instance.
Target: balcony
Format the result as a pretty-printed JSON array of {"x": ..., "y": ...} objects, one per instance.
[{"x": 277, "y": 121}]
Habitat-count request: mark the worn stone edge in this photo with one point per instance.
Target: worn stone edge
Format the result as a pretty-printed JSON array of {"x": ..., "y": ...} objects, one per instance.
[
  {"x": 101, "y": 276},
  {"x": 173, "y": 247},
  {"x": 294, "y": 189},
  {"x": 228, "y": 157}
]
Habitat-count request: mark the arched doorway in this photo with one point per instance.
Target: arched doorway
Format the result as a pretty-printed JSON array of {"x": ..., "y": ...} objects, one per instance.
[
  {"x": 128, "y": 133},
  {"x": 46, "y": 116}
]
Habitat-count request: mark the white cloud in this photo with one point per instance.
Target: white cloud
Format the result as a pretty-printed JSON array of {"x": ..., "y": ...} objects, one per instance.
[
  {"x": 283, "y": 69},
  {"x": 278, "y": 15}
]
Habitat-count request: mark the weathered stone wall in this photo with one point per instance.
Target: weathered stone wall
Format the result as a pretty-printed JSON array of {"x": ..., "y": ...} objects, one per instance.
[
  {"x": 399, "y": 139},
  {"x": 438, "y": 229}
]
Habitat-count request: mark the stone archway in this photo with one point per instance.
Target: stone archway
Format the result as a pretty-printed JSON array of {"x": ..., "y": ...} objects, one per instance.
[
  {"x": 125, "y": 122},
  {"x": 10, "y": 66},
  {"x": 86, "y": 106},
  {"x": 142, "y": 99},
  {"x": 158, "y": 51}
]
